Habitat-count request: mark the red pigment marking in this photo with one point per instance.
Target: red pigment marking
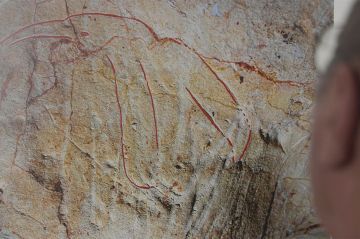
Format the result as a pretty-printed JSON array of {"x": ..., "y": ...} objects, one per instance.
[
  {"x": 30, "y": 101},
  {"x": 248, "y": 67},
  {"x": 86, "y": 53},
  {"x": 43, "y": 93},
  {"x": 233, "y": 159},
  {"x": 4, "y": 88},
  {"x": 265, "y": 76},
  {"x": 103, "y": 45},
  {"x": 201, "y": 57},
  {"x": 157, "y": 38},
  {"x": 67, "y": 38},
  {"x": 84, "y": 34},
  {"x": 246, "y": 146},
  {"x": 31, "y": 86},
  {"x": 152, "y": 105},
  {"x": 219, "y": 79},
  {"x": 177, "y": 41},
  {"x": 208, "y": 116},
  {"x": 146, "y": 186}
]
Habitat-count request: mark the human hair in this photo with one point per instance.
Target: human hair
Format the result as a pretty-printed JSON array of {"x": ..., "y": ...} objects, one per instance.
[{"x": 348, "y": 49}]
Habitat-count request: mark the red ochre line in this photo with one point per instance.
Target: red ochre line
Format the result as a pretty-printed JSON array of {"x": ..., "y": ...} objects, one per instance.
[
  {"x": 219, "y": 79},
  {"x": 150, "y": 29},
  {"x": 178, "y": 41},
  {"x": 258, "y": 71},
  {"x": 79, "y": 15},
  {"x": 84, "y": 34},
  {"x": 146, "y": 186},
  {"x": 152, "y": 105},
  {"x": 246, "y": 146},
  {"x": 208, "y": 116},
  {"x": 92, "y": 52},
  {"x": 41, "y": 37},
  {"x": 4, "y": 87}
]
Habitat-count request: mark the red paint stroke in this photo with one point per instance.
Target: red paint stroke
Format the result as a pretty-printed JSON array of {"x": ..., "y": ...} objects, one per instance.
[
  {"x": 54, "y": 85},
  {"x": 248, "y": 142},
  {"x": 4, "y": 89},
  {"x": 84, "y": 34},
  {"x": 146, "y": 186},
  {"x": 100, "y": 47},
  {"x": 261, "y": 73},
  {"x": 43, "y": 93},
  {"x": 87, "y": 53},
  {"x": 161, "y": 40},
  {"x": 248, "y": 67},
  {"x": 67, "y": 38},
  {"x": 177, "y": 41},
  {"x": 152, "y": 105},
  {"x": 79, "y": 15},
  {"x": 208, "y": 116},
  {"x": 219, "y": 79},
  {"x": 233, "y": 158}
]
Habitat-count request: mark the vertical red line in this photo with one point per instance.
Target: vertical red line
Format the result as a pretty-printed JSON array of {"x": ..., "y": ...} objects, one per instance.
[
  {"x": 208, "y": 116},
  {"x": 4, "y": 88},
  {"x": 152, "y": 105},
  {"x": 146, "y": 186},
  {"x": 246, "y": 146}
]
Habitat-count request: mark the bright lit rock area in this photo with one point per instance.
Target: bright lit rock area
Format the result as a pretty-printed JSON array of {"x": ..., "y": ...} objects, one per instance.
[{"x": 158, "y": 119}]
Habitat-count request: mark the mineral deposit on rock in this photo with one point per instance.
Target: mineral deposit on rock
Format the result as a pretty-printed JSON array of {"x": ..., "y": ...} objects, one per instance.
[{"x": 157, "y": 119}]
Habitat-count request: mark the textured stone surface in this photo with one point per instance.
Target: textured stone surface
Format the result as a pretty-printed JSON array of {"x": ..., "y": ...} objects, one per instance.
[{"x": 205, "y": 104}]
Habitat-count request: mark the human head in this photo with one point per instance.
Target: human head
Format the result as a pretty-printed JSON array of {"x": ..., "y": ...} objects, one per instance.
[{"x": 335, "y": 159}]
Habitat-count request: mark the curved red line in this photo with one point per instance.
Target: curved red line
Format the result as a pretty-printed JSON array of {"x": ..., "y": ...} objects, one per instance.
[
  {"x": 146, "y": 186},
  {"x": 152, "y": 105},
  {"x": 246, "y": 146},
  {"x": 150, "y": 29}
]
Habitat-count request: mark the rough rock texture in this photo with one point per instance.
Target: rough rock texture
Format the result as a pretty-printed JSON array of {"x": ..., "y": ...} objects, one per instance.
[{"x": 157, "y": 119}]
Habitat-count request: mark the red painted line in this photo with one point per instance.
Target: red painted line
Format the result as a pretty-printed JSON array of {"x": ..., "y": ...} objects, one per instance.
[
  {"x": 152, "y": 105},
  {"x": 41, "y": 37},
  {"x": 146, "y": 186},
  {"x": 219, "y": 79},
  {"x": 84, "y": 34},
  {"x": 85, "y": 52},
  {"x": 248, "y": 142},
  {"x": 208, "y": 116},
  {"x": 158, "y": 39},
  {"x": 265, "y": 76},
  {"x": 4, "y": 89},
  {"x": 177, "y": 41},
  {"x": 27, "y": 27}
]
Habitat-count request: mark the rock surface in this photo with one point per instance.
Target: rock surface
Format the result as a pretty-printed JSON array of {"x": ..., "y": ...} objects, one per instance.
[{"x": 157, "y": 119}]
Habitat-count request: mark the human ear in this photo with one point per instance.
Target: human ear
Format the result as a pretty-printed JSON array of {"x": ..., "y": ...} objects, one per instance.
[{"x": 336, "y": 119}]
